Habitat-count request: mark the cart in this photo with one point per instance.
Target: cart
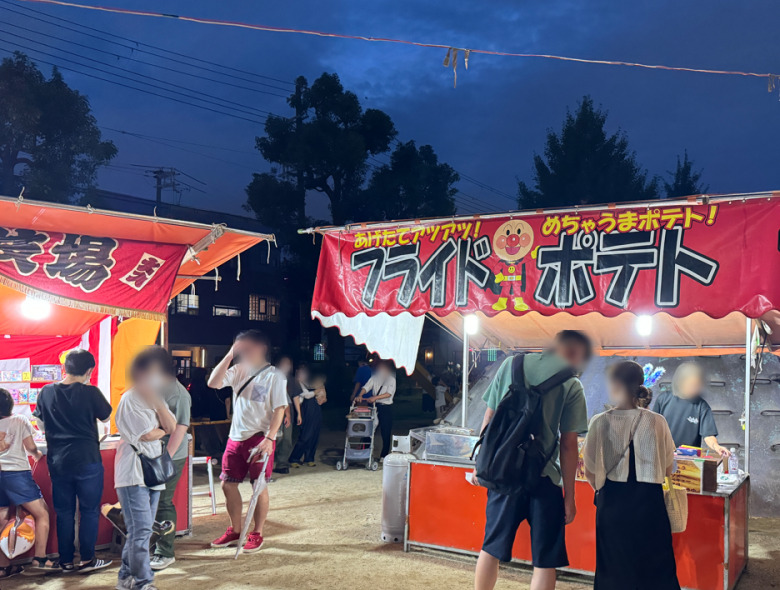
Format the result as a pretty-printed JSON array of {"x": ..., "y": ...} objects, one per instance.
[{"x": 359, "y": 442}]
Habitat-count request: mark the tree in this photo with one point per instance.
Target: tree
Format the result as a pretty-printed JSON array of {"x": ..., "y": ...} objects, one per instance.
[
  {"x": 586, "y": 165},
  {"x": 49, "y": 140},
  {"x": 414, "y": 184},
  {"x": 684, "y": 181},
  {"x": 326, "y": 145}
]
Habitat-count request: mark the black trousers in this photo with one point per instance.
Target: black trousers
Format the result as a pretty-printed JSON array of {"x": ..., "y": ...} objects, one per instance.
[
  {"x": 309, "y": 435},
  {"x": 385, "y": 415}
]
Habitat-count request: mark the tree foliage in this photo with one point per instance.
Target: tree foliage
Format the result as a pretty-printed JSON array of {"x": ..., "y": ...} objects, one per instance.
[
  {"x": 584, "y": 164},
  {"x": 49, "y": 140},
  {"x": 684, "y": 181},
  {"x": 327, "y": 143},
  {"x": 414, "y": 184}
]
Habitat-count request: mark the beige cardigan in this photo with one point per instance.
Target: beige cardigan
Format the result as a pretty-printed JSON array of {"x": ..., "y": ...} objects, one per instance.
[{"x": 606, "y": 452}]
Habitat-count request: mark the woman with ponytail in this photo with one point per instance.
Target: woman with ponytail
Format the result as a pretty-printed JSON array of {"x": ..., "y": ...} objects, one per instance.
[{"x": 629, "y": 452}]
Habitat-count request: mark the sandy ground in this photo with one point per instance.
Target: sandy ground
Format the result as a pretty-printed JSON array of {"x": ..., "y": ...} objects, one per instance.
[{"x": 323, "y": 532}]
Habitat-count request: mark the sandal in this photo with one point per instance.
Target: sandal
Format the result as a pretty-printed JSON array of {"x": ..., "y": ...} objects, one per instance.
[
  {"x": 10, "y": 571},
  {"x": 44, "y": 564}
]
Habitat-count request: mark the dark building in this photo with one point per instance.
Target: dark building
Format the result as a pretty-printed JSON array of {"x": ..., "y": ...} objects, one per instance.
[{"x": 250, "y": 292}]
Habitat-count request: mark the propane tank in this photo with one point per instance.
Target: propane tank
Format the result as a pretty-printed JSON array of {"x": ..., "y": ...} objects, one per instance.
[{"x": 395, "y": 471}]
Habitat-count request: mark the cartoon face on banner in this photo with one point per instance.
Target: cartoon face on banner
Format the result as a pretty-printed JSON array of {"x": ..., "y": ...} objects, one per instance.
[
  {"x": 678, "y": 258},
  {"x": 513, "y": 240}
]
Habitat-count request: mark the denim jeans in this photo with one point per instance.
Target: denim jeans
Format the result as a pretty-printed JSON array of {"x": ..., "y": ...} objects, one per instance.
[
  {"x": 85, "y": 483},
  {"x": 139, "y": 506}
]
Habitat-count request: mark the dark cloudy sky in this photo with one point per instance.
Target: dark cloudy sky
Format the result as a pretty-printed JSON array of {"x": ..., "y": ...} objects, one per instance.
[{"x": 487, "y": 128}]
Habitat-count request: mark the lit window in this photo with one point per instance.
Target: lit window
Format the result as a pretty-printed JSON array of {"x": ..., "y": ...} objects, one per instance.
[
  {"x": 263, "y": 309},
  {"x": 492, "y": 355},
  {"x": 319, "y": 352},
  {"x": 185, "y": 304},
  {"x": 227, "y": 311}
]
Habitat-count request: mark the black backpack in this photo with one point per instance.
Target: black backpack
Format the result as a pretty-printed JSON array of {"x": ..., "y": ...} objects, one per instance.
[{"x": 511, "y": 458}]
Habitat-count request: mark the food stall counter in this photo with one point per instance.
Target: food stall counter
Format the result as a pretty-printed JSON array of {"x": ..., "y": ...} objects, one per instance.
[
  {"x": 181, "y": 499},
  {"x": 446, "y": 512}
]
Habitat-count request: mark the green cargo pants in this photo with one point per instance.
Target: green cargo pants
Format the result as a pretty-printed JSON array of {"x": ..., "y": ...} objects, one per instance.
[{"x": 167, "y": 511}]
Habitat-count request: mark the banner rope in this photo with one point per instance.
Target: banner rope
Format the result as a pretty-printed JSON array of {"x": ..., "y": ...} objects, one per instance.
[{"x": 452, "y": 51}]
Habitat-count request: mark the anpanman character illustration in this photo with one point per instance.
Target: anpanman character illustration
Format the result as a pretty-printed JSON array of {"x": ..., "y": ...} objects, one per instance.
[{"x": 512, "y": 241}]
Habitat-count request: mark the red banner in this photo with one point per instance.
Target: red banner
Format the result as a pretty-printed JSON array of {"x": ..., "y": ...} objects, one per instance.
[
  {"x": 105, "y": 275},
  {"x": 679, "y": 258}
]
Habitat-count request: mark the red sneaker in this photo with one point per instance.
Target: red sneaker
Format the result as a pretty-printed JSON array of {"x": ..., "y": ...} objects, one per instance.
[
  {"x": 254, "y": 542},
  {"x": 230, "y": 537}
]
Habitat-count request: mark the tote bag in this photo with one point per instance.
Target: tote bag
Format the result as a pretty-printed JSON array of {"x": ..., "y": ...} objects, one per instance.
[{"x": 676, "y": 500}]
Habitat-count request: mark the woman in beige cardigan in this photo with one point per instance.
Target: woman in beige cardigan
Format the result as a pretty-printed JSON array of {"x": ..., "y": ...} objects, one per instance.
[{"x": 628, "y": 453}]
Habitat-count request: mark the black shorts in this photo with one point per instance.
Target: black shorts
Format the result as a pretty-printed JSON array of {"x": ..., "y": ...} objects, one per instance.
[{"x": 546, "y": 516}]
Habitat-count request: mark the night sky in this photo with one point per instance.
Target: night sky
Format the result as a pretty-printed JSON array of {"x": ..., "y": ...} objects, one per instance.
[{"x": 488, "y": 127}]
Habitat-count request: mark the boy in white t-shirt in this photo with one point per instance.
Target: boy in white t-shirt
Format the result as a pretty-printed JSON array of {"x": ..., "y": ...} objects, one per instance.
[
  {"x": 17, "y": 487},
  {"x": 259, "y": 402}
]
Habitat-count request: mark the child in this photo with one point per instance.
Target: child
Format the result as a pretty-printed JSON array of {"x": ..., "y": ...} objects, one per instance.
[{"x": 17, "y": 487}]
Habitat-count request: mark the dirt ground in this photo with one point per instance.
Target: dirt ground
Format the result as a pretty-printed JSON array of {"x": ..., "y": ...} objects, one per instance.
[{"x": 323, "y": 533}]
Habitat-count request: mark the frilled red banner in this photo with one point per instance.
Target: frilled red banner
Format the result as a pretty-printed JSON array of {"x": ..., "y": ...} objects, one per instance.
[
  {"x": 715, "y": 257},
  {"x": 105, "y": 275}
]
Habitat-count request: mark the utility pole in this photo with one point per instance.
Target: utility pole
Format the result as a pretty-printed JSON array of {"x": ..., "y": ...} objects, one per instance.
[
  {"x": 299, "y": 113},
  {"x": 166, "y": 178}
]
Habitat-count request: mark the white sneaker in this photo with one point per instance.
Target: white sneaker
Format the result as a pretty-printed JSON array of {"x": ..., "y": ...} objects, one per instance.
[
  {"x": 126, "y": 584},
  {"x": 160, "y": 563}
]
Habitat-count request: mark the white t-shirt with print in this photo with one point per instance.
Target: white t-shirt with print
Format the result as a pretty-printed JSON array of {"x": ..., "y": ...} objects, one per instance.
[
  {"x": 134, "y": 418},
  {"x": 16, "y": 429},
  {"x": 254, "y": 408}
]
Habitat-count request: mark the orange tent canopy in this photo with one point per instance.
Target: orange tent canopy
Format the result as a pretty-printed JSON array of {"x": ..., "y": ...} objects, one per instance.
[{"x": 211, "y": 246}]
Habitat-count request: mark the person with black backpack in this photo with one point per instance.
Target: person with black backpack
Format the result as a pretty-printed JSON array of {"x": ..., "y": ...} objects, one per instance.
[{"x": 527, "y": 456}]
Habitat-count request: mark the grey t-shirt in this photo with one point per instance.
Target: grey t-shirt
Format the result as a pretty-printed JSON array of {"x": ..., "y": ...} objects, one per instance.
[{"x": 179, "y": 402}]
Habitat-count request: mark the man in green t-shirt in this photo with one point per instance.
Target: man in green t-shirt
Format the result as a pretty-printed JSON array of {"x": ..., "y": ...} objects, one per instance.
[
  {"x": 551, "y": 505},
  {"x": 179, "y": 402}
]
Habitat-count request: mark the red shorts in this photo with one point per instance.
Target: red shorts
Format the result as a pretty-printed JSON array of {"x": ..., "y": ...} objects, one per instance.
[{"x": 234, "y": 462}]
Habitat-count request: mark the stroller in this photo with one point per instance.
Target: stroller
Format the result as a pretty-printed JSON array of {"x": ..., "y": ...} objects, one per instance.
[{"x": 359, "y": 442}]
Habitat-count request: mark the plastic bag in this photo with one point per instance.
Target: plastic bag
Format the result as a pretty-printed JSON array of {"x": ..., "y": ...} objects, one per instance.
[{"x": 18, "y": 536}]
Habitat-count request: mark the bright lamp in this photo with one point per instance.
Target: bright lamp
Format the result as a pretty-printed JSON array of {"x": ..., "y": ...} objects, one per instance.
[
  {"x": 471, "y": 324},
  {"x": 644, "y": 325},
  {"x": 35, "y": 309}
]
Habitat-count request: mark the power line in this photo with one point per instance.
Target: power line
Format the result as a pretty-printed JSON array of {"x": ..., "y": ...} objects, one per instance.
[
  {"x": 146, "y": 63},
  {"x": 182, "y": 141},
  {"x": 89, "y": 75},
  {"x": 220, "y": 102},
  {"x": 450, "y": 49},
  {"x": 137, "y": 44}
]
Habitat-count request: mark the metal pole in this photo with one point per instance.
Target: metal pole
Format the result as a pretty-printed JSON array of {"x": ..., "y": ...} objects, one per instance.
[
  {"x": 465, "y": 382},
  {"x": 748, "y": 338}
]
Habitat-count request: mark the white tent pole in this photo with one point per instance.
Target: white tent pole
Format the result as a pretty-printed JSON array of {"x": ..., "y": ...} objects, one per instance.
[
  {"x": 464, "y": 402},
  {"x": 748, "y": 338}
]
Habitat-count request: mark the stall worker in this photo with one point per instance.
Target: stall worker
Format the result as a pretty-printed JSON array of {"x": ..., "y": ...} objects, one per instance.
[
  {"x": 17, "y": 487},
  {"x": 68, "y": 413},
  {"x": 687, "y": 412},
  {"x": 629, "y": 452},
  {"x": 382, "y": 385},
  {"x": 259, "y": 400},
  {"x": 179, "y": 402}
]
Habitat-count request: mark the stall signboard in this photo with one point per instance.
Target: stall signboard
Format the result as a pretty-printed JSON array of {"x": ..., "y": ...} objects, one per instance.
[
  {"x": 101, "y": 274},
  {"x": 705, "y": 256}
]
